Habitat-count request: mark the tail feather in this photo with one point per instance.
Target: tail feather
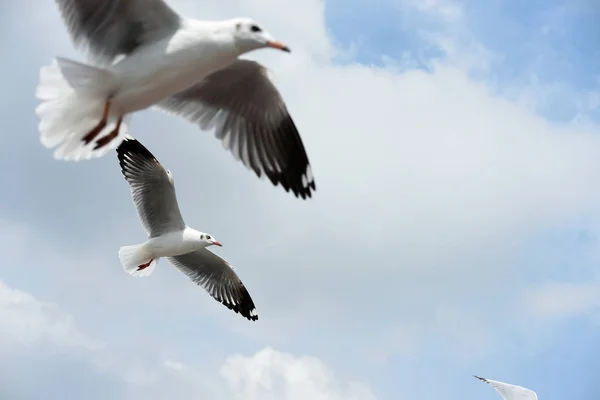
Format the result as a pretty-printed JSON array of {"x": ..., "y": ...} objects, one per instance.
[
  {"x": 73, "y": 96},
  {"x": 54, "y": 85},
  {"x": 134, "y": 257},
  {"x": 81, "y": 76},
  {"x": 55, "y": 129}
]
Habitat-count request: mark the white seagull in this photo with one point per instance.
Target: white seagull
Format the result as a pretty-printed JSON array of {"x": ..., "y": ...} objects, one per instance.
[
  {"x": 145, "y": 55},
  {"x": 153, "y": 192},
  {"x": 510, "y": 392}
]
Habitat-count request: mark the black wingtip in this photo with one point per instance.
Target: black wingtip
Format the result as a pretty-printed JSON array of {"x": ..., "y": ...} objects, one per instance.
[
  {"x": 305, "y": 192},
  {"x": 295, "y": 180},
  {"x": 245, "y": 310},
  {"x": 245, "y": 307},
  {"x": 287, "y": 152},
  {"x": 299, "y": 190},
  {"x": 131, "y": 148}
]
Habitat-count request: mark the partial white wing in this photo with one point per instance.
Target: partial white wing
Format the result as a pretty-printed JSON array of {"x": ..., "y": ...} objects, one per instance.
[
  {"x": 249, "y": 116},
  {"x": 152, "y": 188},
  {"x": 108, "y": 28},
  {"x": 218, "y": 278},
  {"x": 510, "y": 392}
]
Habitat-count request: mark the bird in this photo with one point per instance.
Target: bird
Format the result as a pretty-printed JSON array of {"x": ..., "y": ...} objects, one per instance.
[
  {"x": 142, "y": 54},
  {"x": 153, "y": 192},
  {"x": 510, "y": 392}
]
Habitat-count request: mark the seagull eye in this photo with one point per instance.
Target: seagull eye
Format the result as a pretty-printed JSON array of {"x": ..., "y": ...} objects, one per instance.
[
  {"x": 208, "y": 237},
  {"x": 255, "y": 28}
]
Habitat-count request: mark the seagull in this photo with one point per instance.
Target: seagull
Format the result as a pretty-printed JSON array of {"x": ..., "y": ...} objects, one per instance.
[
  {"x": 510, "y": 392},
  {"x": 146, "y": 55},
  {"x": 153, "y": 192}
]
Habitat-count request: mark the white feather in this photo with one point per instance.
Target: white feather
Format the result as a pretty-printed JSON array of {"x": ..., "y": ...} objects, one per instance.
[
  {"x": 73, "y": 97},
  {"x": 133, "y": 256}
]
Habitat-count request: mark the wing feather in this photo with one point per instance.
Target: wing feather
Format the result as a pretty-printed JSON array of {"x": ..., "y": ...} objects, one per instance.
[
  {"x": 108, "y": 28},
  {"x": 152, "y": 188},
  {"x": 218, "y": 278},
  {"x": 510, "y": 392},
  {"x": 249, "y": 116}
]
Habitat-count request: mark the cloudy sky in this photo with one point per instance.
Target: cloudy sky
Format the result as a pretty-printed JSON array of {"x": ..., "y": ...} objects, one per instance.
[{"x": 455, "y": 228}]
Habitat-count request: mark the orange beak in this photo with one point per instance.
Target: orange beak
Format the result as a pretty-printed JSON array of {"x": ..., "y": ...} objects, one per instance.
[{"x": 278, "y": 45}]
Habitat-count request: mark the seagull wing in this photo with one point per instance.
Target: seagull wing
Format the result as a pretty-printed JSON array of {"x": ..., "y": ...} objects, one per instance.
[
  {"x": 108, "y": 28},
  {"x": 219, "y": 279},
  {"x": 249, "y": 116},
  {"x": 510, "y": 392},
  {"x": 152, "y": 188}
]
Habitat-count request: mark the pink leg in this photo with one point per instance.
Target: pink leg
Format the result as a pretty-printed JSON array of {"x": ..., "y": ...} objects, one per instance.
[
  {"x": 110, "y": 137},
  {"x": 144, "y": 266},
  {"x": 98, "y": 128}
]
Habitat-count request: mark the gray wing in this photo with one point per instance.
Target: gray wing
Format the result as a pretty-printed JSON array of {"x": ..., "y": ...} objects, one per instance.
[
  {"x": 249, "y": 116},
  {"x": 219, "y": 279},
  {"x": 152, "y": 188},
  {"x": 108, "y": 28},
  {"x": 510, "y": 392}
]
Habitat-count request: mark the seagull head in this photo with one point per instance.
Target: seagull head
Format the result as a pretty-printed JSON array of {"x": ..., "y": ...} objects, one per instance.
[
  {"x": 248, "y": 35},
  {"x": 208, "y": 240}
]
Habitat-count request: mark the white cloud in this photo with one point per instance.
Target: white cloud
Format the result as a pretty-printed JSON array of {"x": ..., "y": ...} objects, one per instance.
[
  {"x": 268, "y": 374},
  {"x": 273, "y": 375},
  {"x": 27, "y": 321}
]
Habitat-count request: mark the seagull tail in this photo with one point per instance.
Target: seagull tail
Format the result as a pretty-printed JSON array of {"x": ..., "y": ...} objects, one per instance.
[
  {"x": 74, "y": 110},
  {"x": 136, "y": 260}
]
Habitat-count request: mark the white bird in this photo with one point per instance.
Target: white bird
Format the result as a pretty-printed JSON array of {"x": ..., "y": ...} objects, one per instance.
[
  {"x": 153, "y": 192},
  {"x": 510, "y": 392},
  {"x": 145, "y": 55}
]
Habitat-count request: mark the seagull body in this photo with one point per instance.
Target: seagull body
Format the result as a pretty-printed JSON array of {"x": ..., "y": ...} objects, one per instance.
[
  {"x": 510, "y": 392},
  {"x": 146, "y": 55},
  {"x": 170, "y": 65},
  {"x": 171, "y": 244},
  {"x": 153, "y": 192}
]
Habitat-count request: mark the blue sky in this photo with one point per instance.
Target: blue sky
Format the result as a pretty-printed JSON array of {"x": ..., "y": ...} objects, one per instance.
[
  {"x": 454, "y": 232},
  {"x": 537, "y": 42}
]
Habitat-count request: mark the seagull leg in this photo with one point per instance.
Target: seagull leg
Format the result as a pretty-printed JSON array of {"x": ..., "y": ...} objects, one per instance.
[
  {"x": 109, "y": 138},
  {"x": 91, "y": 135},
  {"x": 144, "y": 266}
]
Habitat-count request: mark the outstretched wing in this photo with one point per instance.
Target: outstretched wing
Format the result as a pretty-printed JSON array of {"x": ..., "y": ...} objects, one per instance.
[
  {"x": 510, "y": 392},
  {"x": 250, "y": 118},
  {"x": 218, "y": 278},
  {"x": 152, "y": 188},
  {"x": 108, "y": 28}
]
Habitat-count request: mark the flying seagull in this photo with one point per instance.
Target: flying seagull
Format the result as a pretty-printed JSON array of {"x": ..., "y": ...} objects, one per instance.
[
  {"x": 143, "y": 54},
  {"x": 510, "y": 392},
  {"x": 153, "y": 192}
]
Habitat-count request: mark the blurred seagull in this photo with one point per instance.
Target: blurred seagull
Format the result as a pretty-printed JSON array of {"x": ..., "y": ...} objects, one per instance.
[
  {"x": 510, "y": 392},
  {"x": 153, "y": 192},
  {"x": 145, "y": 55}
]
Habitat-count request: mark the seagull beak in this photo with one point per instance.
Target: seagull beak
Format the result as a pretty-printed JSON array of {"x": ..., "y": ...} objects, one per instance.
[
  {"x": 278, "y": 45},
  {"x": 217, "y": 244}
]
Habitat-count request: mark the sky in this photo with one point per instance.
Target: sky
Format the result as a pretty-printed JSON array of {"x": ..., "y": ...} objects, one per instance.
[{"x": 454, "y": 232}]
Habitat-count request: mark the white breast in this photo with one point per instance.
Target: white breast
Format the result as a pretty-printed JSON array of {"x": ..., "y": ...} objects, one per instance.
[{"x": 174, "y": 243}]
